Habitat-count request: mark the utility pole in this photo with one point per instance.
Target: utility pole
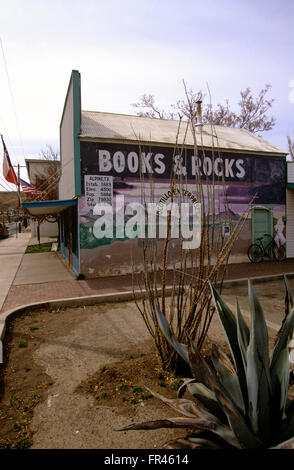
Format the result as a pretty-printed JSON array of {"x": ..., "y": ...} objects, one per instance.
[{"x": 18, "y": 192}]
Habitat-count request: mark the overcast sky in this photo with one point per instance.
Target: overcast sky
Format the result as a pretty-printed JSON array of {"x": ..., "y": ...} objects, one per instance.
[{"x": 124, "y": 48}]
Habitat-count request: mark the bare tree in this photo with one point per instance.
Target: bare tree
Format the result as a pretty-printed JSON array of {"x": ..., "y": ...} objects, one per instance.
[
  {"x": 47, "y": 181},
  {"x": 188, "y": 108},
  {"x": 252, "y": 113},
  {"x": 147, "y": 108},
  {"x": 49, "y": 153}
]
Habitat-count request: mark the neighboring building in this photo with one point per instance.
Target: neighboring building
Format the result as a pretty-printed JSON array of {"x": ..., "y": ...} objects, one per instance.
[
  {"x": 44, "y": 174},
  {"x": 40, "y": 169},
  {"x": 117, "y": 148}
]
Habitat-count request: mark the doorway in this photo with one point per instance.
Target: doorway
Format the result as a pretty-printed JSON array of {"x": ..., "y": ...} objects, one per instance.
[{"x": 262, "y": 222}]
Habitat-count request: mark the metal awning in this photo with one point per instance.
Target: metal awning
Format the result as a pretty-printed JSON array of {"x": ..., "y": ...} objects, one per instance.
[{"x": 36, "y": 208}]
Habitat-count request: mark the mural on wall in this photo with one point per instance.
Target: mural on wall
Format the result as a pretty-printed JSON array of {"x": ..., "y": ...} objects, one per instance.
[
  {"x": 110, "y": 171},
  {"x": 279, "y": 232}
]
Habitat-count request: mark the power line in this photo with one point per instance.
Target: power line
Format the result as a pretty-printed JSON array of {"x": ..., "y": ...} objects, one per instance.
[
  {"x": 12, "y": 99},
  {"x": 6, "y": 183},
  {"x": 8, "y": 191},
  {"x": 7, "y": 186}
]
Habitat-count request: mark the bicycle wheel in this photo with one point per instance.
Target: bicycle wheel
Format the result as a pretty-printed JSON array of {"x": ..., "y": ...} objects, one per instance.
[
  {"x": 279, "y": 252},
  {"x": 255, "y": 253}
]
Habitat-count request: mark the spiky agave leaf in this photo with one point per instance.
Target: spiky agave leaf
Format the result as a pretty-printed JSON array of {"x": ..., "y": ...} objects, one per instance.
[
  {"x": 288, "y": 444},
  {"x": 203, "y": 373},
  {"x": 289, "y": 302},
  {"x": 285, "y": 433},
  {"x": 289, "y": 299},
  {"x": 243, "y": 334},
  {"x": 195, "y": 418},
  {"x": 207, "y": 442},
  {"x": 280, "y": 365},
  {"x": 166, "y": 330},
  {"x": 218, "y": 352},
  {"x": 230, "y": 327},
  {"x": 188, "y": 423},
  {"x": 179, "y": 422},
  {"x": 199, "y": 440},
  {"x": 188, "y": 408},
  {"x": 227, "y": 376},
  {"x": 180, "y": 443},
  {"x": 258, "y": 370},
  {"x": 204, "y": 396}
]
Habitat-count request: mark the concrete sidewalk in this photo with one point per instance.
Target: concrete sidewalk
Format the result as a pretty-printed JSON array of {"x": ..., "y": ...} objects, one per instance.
[
  {"x": 19, "y": 269},
  {"x": 36, "y": 268},
  {"x": 12, "y": 250}
]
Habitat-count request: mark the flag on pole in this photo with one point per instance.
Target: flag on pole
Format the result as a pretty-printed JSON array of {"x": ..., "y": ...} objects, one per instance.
[
  {"x": 29, "y": 188},
  {"x": 8, "y": 170}
]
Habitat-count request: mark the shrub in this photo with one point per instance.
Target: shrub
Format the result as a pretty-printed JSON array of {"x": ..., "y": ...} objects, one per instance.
[{"x": 241, "y": 403}]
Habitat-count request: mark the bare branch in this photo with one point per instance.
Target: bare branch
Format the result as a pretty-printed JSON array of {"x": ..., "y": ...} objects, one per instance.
[{"x": 251, "y": 116}]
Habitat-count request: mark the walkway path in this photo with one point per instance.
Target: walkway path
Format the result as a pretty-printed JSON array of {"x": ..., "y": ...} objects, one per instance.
[{"x": 12, "y": 250}]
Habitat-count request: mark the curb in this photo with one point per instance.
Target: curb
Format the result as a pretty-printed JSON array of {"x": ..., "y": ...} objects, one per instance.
[
  {"x": 71, "y": 302},
  {"x": 8, "y": 315},
  {"x": 257, "y": 279}
]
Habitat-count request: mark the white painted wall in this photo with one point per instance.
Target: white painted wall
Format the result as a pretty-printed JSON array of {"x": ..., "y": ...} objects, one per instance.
[
  {"x": 290, "y": 170},
  {"x": 38, "y": 167},
  {"x": 66, "y": 182},
  {"x": 47, "y": 229},
  {"x": 290, "y": 222}
]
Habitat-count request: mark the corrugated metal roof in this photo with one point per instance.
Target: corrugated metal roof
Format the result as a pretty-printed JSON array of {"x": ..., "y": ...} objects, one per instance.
[{"x": 123, "y": 127}]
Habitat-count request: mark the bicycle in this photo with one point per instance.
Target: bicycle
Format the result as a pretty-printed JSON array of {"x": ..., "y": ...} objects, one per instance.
[{"x": 258, "y": 251}]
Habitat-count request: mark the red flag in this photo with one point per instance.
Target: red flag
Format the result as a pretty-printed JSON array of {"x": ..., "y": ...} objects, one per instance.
[{"x": 8, "y": 170}]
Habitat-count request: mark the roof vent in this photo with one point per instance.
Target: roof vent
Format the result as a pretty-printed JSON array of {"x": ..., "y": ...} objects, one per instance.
[{"x": 199, "y": 122}]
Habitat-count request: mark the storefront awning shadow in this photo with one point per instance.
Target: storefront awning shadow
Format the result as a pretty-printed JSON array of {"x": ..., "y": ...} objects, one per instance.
[{"x": 37, "y": 208}]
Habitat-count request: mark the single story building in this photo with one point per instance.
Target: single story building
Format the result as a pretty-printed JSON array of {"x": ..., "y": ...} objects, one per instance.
[
  {"x": 44, "y": 174},
  {"x": 108, "y": 157}
]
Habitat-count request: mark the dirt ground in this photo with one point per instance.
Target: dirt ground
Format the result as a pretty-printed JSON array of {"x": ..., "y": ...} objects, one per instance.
[{"x": 73, "y": 376}]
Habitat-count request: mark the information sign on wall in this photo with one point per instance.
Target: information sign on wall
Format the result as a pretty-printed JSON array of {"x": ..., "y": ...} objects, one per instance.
[{"x": 98, "y": 190}]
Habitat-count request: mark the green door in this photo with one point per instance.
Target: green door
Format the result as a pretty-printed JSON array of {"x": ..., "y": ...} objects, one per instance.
[{"x": 262, "y": 222}]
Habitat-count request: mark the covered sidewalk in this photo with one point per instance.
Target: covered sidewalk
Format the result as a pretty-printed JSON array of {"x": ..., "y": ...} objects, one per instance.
[{"x": 66, "y": 212}]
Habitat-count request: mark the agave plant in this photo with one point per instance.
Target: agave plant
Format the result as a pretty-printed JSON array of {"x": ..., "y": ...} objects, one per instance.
[{"x": 240, "y": 402}]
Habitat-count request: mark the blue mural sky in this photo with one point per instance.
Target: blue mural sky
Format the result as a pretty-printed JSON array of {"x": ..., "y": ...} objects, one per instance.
[{"x": 126, "y": 48}]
